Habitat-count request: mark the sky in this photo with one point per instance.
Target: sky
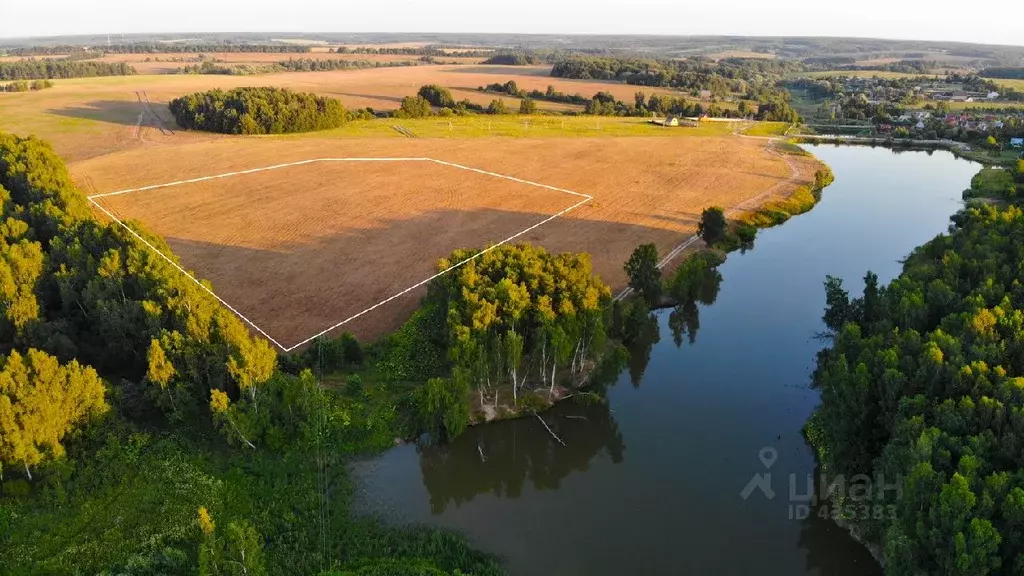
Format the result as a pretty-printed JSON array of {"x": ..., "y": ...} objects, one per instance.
[{"x": 982, "y": 21}]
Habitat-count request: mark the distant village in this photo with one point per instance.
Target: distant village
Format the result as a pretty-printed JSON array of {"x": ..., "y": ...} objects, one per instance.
[{"x": 965, "y": 108}]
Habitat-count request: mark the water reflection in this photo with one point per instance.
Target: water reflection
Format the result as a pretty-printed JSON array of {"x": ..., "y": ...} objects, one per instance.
[
  {"x": 695, "y": 428},
  {"x": 500, "y": 459},
  {"x": 818, "y": 531}
]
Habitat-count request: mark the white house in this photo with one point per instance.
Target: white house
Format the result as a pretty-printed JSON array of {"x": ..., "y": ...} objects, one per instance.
[{"x": 993, "y": 95}]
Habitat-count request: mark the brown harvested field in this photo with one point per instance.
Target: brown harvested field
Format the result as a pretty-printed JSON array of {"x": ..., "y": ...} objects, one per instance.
[
  {"x": 301, "y": 248},
  {"x": 88, "y": 117}
]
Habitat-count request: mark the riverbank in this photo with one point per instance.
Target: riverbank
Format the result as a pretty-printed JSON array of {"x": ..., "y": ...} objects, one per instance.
[
  {"x": 683, "y": 427},
  {"x": 774, "y": 209},
  {"x": 959, "y": 149}
]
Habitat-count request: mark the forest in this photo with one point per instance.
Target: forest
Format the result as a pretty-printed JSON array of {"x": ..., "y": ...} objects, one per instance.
[
  {"x": 126, "y": 388},
  {"x": 50, "y": 69},
  {"x": 262, "y": 110},
  {"x": 921, "y": 400}
]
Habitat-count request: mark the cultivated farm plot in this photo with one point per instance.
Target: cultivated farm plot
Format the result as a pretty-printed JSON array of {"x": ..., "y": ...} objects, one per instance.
[
  {"x": 301, "y": 249},
  {"x": 304, "y": 247}
]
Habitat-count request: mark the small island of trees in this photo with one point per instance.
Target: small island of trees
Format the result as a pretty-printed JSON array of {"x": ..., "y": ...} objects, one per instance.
[{"x": 259, "y": 110}]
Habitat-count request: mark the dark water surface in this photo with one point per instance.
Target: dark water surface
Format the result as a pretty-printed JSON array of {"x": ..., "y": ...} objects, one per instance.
[{"x": 650, "y": 483}]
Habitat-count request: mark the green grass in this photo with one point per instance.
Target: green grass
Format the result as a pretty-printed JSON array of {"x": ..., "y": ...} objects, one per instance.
[
  {"x": 991, "y": 182},
  {"x": 1006, "y": 158},
  {"x": 1015, "y": 84},
  {"x": 767, "y": 129},
  {"x": 516, "y": 126}
]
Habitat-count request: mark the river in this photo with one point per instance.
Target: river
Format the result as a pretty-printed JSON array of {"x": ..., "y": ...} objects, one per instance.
[{"x": 651, "y": 482}]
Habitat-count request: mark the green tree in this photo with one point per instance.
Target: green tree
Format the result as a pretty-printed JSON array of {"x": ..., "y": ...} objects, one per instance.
[
  {"x": 437, "y": 95},
  {"x": 497, "y": 106},
  {"x": 527, "y": 106},
  {"x": 41, "y": 402},
  {"x": 414, "y": 107},
  {"x": 443, "y": 404},
  {"x": 712, "y": 226},
  {"x": 838, "y": 308},
  {"x": 236, "y": 552},
  {"x": 644, "y": 274}
]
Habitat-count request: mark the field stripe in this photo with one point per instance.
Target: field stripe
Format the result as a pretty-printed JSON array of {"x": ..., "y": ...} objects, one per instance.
[
  {"x": 94, "y": 197},
  {"x": 252, "y": 171},
  {"x": 512, "y": 178},
  {"x": 183, "y": 271}
]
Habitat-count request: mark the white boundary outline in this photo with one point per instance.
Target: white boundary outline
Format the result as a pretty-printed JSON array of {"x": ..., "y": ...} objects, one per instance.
[{"x": 585, "y": 198}]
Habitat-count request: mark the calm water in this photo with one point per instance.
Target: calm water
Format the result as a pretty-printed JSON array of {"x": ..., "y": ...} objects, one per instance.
[{"x": 650, "y": 483}]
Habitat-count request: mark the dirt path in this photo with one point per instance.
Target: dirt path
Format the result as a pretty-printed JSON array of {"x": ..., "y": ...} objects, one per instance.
[
  {"x": 148, "y": 117},
  {"x": 748, "y": 204}
]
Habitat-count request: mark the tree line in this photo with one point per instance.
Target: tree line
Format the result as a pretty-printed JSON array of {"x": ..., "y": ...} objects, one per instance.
[
  {"x": 921, "y": 386},
  {"x": 49, "y": 69},
  {"x": 720, "y": 78},
  {"x": 317, "y": 64},
  {"x": 512, "y": 59},
  {"x": 160, "y": 47},
  {"x": 756, "y": 79},
  {"x": 435, "y": 51},
  {"x": 260, "y": 110},
  {"x": 290, "y": 65},
  {"x": 1004, "y": 72}
]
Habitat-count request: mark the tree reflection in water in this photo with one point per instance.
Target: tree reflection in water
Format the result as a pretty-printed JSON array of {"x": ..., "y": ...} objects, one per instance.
[{"x": 500, "y": 458}]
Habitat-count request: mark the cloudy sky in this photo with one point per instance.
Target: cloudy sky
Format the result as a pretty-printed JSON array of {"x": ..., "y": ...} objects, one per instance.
[{"x": 985, "y": 21}]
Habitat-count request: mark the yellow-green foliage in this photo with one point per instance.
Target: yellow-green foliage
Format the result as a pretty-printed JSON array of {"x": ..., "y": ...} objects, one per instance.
[
  {"x": 41, "y": 401},
  {"x": 801, "y": 200},
  {"x": 767, "y": 129},
  {"x": 991, "y": 182}
]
